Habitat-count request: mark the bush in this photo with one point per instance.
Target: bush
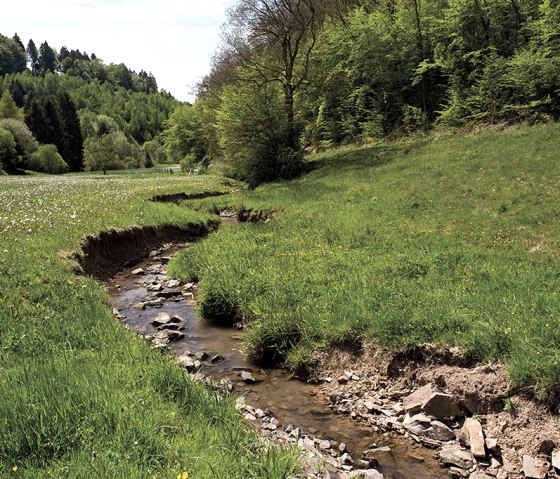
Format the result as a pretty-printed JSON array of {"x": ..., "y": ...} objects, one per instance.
[
  {"x": 7, "y": 149},
  {"x": 47, "y": 160},
  {"x": 255, "y": 136},
  {"x": 26, "y": 144}
]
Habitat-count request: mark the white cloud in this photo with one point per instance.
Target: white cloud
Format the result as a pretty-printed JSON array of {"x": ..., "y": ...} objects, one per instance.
[{"x": 174, "y": 39}]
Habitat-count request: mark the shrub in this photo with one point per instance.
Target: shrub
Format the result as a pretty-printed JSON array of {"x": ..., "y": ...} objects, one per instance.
[
  {"x": 7, "y": 148},
  {"x": 47, "y": 160}
]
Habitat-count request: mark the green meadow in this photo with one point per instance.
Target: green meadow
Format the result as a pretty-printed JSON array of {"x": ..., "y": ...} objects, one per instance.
[
  {"x": 451, "y": 240},
  {"x": 80, "y": 396}
]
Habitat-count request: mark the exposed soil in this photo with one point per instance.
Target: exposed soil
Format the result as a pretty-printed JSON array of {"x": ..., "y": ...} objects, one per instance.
[
  {"x": 523, "y": 428},
  {"x": 180, "y": 197}
]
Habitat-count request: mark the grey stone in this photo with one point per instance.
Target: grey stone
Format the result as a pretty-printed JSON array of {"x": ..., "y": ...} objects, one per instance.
[
  {"x": 346, "y": 459},
  {"x": 457, "y": 473},
  {"x": 175, "y": 335},
  {"x": 456, "y": 456},
  {"x": 534, "y": 468},
  {"x": 201, "y": 355},
  {"x": 174, "y": 283},
  {"x": 413, "y": 403},
  {"x": 138, "y": 271},
  {"x": 440, "y": 432},
  {"x": 378, "y": 455},
  {"x": 324, "y": 445},
  {"x": 492, "y": 445},
  {"x": 441, "y": 405},
  {"x": 217, "y": 358},
  {"x": 161, "y": 319},
  {"x": 247, "y": 377}
]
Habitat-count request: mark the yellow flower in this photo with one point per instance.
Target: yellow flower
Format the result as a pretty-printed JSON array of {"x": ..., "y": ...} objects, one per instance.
[
  {"x": 183, "y": 475},
  {"x": 14, "y": 468}
]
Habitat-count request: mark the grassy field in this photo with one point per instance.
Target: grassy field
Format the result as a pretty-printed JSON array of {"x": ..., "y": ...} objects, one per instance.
[
  {"x": 453, "y": 241},
  {"x": 81, "y": 397}
]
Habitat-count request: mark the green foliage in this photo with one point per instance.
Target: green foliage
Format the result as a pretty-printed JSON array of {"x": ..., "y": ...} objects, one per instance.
[
  {"x": 9, "y": 109},
  {"x": 451, "y": 241},
  {"x": 47, "y": 160},
  {"x": 255, "y": 135},
  {"x": 102, "y": 154},
  {"x": 183, "y": 136},
  {"x": 26, "y": 143},
  {"x": 12, "y": 57},
  {"x": 7, "y": 149}
]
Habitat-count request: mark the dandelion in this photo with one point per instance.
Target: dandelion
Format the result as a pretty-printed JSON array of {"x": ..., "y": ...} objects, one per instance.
[
  {"x": 183, "y": 475},
  {"x": 15, "y": 468}
]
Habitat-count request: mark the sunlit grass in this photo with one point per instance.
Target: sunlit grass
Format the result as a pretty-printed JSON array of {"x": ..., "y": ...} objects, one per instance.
[
  {"x": 79, "y": 395},
  {"x": 453, "y": 241}
]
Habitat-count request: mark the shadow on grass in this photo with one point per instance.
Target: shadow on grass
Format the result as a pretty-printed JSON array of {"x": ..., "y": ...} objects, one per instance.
[{"x": 353, "y": 159}]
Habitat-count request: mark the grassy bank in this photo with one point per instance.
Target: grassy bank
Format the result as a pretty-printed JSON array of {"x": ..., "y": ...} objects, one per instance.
[
  {"x": 453, "y": 241},
  {"x": 79, "y": 395}
]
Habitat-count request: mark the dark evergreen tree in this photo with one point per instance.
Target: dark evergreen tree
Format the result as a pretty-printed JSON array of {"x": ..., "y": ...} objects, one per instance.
[
  {"x": 12, "y": 58},
  {"x": 18, "y": 41},
  {"x": 71, "y": 148},
  {"x": 18, "y": 93},
  {"x": 47, "y": 58},
  {"x": 33, "y": 57}
]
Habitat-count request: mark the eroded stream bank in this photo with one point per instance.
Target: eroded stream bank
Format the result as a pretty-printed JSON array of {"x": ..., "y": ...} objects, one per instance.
[{"x": 163, "y": 311}]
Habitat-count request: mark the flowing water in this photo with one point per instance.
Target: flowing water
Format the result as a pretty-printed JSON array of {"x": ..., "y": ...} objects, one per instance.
[{"x": 291, "y": 401}]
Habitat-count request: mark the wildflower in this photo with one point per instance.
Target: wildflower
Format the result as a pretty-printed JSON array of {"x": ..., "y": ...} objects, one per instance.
[
  {"x": 183, "y": 475},
  {"x": 15, "y": 468}
]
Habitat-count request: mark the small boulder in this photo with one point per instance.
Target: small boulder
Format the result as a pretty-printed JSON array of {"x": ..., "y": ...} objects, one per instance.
[
  {"x": 378, "y": 455},
  {"x": 175, "y": 335},
  {"x": 455, "y": 456},
  {"x": 161, "y": 319},
  {"x": 138, "y": 272},
  {"x": 201, "y": 355},
  {"x": 440, "y": 432},
  {"x": 472, "y": 435},
  {"x": 218, "y": 358},
  {"x": 534, "y": 468},
  {"x": 413, "y": 403},
  {"x": 441, "y": 405},
  {"x": 247, "y": 377}
]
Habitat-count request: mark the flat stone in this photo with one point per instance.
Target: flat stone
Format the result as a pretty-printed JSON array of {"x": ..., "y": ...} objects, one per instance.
[
  {"x": 413, "y": 403},
  {"x": 218, "y": 358},
  {"x": 379, "y": 454},
  {"x": 556, "y": 459},
  {"x": 441, "y": 405},
  {"x": 456, "y": 456},
  {"x": 472, "y": 434},
  {"x": 324, "y": 445},
  {"x": 417, "y": 424},
  {"x": 169, "y": 294},
  {"x": 440, "y": 432},
  {"x": 247, "y": 377},
  {"x": 174, "y": 283},
  {"x": 161, "y": 319},
  {"x": 346, "y": 459},
  {"x": 139, "y": 306},
  {"x": 189, "y": 363},
  {"x": 534, "y": 468},
  {"x": 342, "y": 380},
  {"x": 138, "y": 271},
  {"x": 175, "y": 335},
  {"x": 457, "y": 473},
  {"x": 154, "y": 287}
]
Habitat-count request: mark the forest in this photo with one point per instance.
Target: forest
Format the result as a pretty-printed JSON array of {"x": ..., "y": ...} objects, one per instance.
[
  {"x": 68, "y": 111},
  {"x": 335, "y": 72}
]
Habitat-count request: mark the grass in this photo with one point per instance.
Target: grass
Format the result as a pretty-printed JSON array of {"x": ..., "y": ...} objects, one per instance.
[
  {"x": 453, "y": 241},
  {"x": 79, "y": 395}
]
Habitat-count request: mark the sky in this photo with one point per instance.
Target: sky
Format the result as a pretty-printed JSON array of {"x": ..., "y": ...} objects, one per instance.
[{"x": 173, "y": 39}]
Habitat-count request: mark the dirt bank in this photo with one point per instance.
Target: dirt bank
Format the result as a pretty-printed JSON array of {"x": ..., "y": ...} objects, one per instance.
[{"x": 103, "y": 255}]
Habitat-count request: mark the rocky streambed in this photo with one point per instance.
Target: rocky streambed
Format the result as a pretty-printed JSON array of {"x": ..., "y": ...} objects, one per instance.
[
  {"x": 285, "y": 409},
  {"x": 430, "y": 414}
]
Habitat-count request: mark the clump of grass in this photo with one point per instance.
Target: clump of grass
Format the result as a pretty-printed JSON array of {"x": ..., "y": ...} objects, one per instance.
[{"x": 453, "y": 241}]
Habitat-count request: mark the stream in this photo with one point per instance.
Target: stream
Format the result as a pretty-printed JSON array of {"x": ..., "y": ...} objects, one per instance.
[{"x": 291, "y": 401}]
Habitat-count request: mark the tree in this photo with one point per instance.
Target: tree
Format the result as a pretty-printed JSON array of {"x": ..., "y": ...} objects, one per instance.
[
  {"x": 252, "y": 127},
  {"x": 100, "y": 154},
  {"x": 48, "y": 60},
  {"x": 12, "y": 57},
  {"x": 18, "y": 41},
  {"x": 33, "y": 56},
  {"x": 8, "y": 152},
  {"x": 72, "y": 145},
  {"x": 9, "y": 109},
  {"x": 183, "y": 134},
  {"x": 47, "y": 160},
  {"x": 26, "y": 144},
  {"x": 275, "y": 39}
]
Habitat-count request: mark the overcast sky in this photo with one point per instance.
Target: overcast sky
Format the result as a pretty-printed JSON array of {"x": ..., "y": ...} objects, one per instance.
[{"x": 174, "y": 39}]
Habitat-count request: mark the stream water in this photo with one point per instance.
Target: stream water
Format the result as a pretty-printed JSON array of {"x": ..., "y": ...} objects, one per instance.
[{"x": 291, "y": 401}]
